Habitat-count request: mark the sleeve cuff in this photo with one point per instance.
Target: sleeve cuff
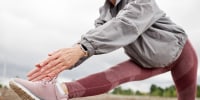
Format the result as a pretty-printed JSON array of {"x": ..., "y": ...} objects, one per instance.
[{"x": 88, "y": 46}]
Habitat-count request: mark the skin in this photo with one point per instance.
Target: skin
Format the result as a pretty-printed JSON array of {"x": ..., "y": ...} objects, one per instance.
[
  {"x": 112, "y": 2},
  {"x": 57, "y": 62}
]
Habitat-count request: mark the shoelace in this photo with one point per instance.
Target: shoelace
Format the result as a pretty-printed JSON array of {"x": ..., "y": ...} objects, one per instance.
[{"x": 52, "y": 81}]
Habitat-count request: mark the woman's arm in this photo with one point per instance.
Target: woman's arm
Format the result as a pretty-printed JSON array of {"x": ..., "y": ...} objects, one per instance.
[
  {"x": 125, "y": 28},
  {"x": 129, "y": 24}
]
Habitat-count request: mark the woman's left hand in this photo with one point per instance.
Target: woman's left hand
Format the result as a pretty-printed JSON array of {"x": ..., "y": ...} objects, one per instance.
[{"x": 55, "y": 63}]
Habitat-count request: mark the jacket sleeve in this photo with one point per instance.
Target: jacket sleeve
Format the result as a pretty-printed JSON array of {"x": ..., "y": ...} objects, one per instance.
[
  {"x": 99, "y": 21},
  {"x": 131, "y": 22}
]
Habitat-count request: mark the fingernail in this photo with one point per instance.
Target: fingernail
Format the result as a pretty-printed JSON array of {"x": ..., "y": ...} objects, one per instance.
[
  {"x": 42, "y": 64},
  {"x": 38, "y": 66},
  {"x": 42, "y": 70},
  {"x": 50, "y": 54},
  {"x": 29, "y": 79},
  {"x": 28, "y": 76}
]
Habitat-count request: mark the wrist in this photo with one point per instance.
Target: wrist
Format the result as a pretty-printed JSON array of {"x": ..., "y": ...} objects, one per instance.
[{"x": 82, "y": 51}]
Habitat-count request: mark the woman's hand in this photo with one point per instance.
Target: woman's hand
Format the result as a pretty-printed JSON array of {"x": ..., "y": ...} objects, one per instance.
[{"x": 56, "y": 62}]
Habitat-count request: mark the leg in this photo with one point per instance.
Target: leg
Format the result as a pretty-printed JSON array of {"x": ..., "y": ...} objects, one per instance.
[
  {"x": 184, "y": 73},
  {"x": 104, "y": 81}
]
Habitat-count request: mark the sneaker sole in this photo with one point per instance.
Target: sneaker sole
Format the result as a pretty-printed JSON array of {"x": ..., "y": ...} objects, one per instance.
[{"x": 21, "y": 91}]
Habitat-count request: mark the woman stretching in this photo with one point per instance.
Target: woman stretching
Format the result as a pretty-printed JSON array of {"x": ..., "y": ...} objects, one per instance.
[{"x": 153, "y": 42}]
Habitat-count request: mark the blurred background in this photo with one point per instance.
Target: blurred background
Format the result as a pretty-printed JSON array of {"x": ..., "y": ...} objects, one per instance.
[{"x": 30, "y": 29}]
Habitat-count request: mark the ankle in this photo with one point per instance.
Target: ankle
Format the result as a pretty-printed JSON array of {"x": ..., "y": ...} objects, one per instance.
[{"x": 64, "y": 87}]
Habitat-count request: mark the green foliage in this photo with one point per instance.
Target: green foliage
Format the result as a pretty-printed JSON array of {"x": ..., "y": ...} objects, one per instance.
[
  {"x": 154, "y": 91},
  {"x": 1, "y": 85},
  {"x": 198, "y": 91},
  {"x": 120, "y": 91},
  {"x": 139, "y": 93},
  {"x": 170, "y": 92},
  {"x": 167, "y": 92},
  {"x": 128, "y": 92},
  {"x": 117, "y": 90}
]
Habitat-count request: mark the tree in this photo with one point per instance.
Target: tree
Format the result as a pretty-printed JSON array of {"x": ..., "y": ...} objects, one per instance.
[
  {"x": 120, "y": 91},
  {"x": 153, "y": 88},
  {"x": 156, "y": 91},
  {"x": 170, "y": 92},
  {"x": 198, "y": 91},
  {"x": 138, "y": 93},
  {"x": 117, "y": 90},
  {"x": 128, "y": 92},
  {"x": 1, "y": 85}
]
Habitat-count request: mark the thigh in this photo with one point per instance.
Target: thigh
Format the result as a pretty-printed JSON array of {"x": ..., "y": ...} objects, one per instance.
[
  {"x": 130, "y": 71},
  {"x": 186, "y": 63}
]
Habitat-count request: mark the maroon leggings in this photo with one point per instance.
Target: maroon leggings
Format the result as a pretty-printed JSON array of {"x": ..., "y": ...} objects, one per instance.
[{"x": 183, "y": 71}]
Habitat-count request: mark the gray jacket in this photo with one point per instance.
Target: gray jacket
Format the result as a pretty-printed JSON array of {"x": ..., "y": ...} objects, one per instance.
[{"x": 148, "y": 37}]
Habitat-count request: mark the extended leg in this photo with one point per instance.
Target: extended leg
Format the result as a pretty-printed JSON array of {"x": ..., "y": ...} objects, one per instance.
[{"x": 104, "y": 81}]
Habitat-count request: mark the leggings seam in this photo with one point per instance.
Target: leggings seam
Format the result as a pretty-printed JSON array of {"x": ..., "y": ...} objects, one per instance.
[
  {"x": 108, "y": 84},
  {"x": 88, "y": 88}
]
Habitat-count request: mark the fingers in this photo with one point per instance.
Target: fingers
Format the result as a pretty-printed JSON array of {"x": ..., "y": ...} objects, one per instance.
[
  {"x": 40, "y": 73},
  {"x": 52, "y": 53},
  {"x": 50, "y": 72},
  {"x": 50, "y": 65},
  {"x": 49, "y": 59},
  {"x": 55, "y": 63},
  {"x": 56, "y": 72},
  {"x": 35, "y": 75},
  {"x": 41, "y": 77},
  {"x": 38, "y": 66},
  {"x": 47, "y": 78},
  {"x": 53, "y": 68},
  {"x": 33, "y": 71},
  {"x": 53, "y": 56},
  {"x": 50, "y": 75}
]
